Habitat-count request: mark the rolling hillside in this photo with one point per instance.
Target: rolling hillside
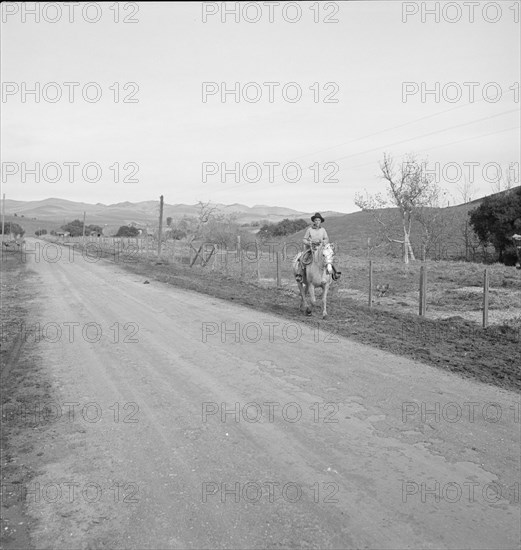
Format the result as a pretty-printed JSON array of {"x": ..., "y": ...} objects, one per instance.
[
  {"x": 60, "y": 211},
  {"x": 351, "y": 232}
]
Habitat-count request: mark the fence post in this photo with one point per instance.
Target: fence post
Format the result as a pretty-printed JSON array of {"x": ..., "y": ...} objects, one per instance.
[
  {"x": 238, "y": 257},
  {"x": 485, "y": 298},
  {"x": 226, "y": 260},
  {"x": 259, "y": 252},
  {"x": 370, "y": 283},
  {"x": 423, "y": 291},
  {"x": 278, "y": 267}
]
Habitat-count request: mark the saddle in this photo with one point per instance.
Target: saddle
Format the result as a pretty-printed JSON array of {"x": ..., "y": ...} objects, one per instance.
[{"x": 306, "y": 258}]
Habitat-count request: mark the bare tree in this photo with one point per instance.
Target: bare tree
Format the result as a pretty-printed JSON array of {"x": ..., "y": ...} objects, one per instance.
[
  {"x": 408, "y": 188},
  {"x": 507, "y": 178},
  {"x": 206, "y": 211},
  {"x": 223, "y": 228},
  {"x": 467, "y": 192},
  {"x": 435, "y": 221}
]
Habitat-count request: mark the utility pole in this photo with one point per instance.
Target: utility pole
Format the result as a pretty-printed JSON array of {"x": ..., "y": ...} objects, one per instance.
[{"x": 160, "y": 226}]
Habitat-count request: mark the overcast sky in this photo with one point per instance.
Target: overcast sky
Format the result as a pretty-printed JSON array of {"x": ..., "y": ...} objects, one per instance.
[{"x": 168, "y": 132}]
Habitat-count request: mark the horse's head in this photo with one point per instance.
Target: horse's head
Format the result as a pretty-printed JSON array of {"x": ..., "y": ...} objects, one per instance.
[{"x": 328, "y": 254}]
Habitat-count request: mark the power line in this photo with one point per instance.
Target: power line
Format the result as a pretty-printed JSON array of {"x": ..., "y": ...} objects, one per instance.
[
  {"x": 390, "y": 128},
  {"x": 451, "y": 143},
  {"x": 429, "y": 134},
  {"x": 399, "y": 142}
]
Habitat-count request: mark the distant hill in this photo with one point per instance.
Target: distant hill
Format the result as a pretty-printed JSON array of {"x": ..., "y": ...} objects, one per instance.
[{"x": 59, "y": 211}]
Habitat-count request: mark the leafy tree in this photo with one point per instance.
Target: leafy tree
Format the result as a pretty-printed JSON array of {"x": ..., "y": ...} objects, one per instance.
[
  {"x": 169, "y": 221},
  {"x": 127, "y": 231},
  {"x": 93, "y": 229},
  {"x": 40, "y": 232},
  {"x": 281, "y": 229},
  {"x": 497, "y": 218},
  {"x": 12, "y": 227},
  {"x": 75, "y": 228}
]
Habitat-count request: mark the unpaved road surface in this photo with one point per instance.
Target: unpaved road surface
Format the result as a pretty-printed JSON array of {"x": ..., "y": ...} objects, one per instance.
[{"x": 171, "y": 433}]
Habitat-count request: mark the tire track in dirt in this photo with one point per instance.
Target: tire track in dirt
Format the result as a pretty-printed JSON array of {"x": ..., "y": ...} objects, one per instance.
[{"x": 171, "y": 452}]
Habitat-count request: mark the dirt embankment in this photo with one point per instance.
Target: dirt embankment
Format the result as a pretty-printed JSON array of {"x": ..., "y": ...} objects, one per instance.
[{"x": 23, "y": 384}]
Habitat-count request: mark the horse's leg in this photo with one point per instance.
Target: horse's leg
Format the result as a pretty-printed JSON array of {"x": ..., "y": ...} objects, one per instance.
[
  {"x": 304, "y": 292},
  {"x": 325, "y": 288},
  {"x": 303, "y": 289},
  {"x": 312, "y": 293}
]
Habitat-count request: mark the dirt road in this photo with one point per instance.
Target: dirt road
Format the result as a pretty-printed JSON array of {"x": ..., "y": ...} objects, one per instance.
[{"x": 182, "y": 421}]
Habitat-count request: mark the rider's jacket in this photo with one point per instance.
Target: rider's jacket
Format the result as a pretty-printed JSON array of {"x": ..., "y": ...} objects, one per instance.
[{"x": 319, "y": 234}]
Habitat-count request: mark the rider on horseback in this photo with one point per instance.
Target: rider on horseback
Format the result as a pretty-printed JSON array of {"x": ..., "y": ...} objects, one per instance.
[{"x": 314, "y": 236}]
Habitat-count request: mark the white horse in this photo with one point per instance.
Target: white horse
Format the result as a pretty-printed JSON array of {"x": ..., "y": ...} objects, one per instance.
[{"x": 316, "y": 273}]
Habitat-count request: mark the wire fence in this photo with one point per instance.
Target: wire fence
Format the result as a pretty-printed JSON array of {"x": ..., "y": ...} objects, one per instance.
[{"x": 436, "y": 289}]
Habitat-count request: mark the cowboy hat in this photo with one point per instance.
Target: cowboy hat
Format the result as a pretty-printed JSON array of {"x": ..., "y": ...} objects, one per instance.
[{"x": 317, "y": 215}]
